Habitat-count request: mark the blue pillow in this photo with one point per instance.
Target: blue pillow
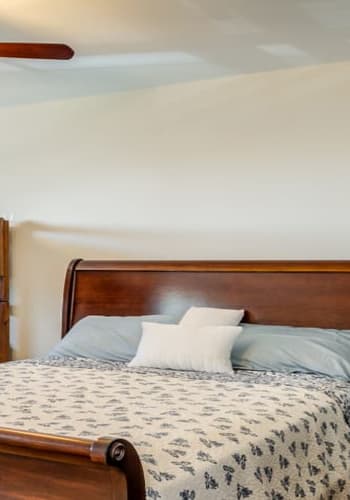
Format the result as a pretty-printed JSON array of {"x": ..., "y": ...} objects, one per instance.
[
  {"x": 293, "y": 349},
  {"x": 107, "y": 338}
]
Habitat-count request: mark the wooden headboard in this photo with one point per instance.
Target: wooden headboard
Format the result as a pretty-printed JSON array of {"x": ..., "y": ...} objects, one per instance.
[
  {"x": 298, "y": 293},
  {"x": 4, "y": 291}
]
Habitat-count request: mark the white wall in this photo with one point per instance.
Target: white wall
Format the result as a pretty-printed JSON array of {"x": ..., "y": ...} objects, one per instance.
[{"x": 254, "y": 166}]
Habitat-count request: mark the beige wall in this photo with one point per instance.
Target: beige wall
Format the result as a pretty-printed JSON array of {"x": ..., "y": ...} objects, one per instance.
[{"x": 248, "y": 167}]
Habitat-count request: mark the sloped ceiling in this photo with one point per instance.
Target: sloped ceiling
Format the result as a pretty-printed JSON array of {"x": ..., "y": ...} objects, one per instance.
[{"x": 128, "y": 44}]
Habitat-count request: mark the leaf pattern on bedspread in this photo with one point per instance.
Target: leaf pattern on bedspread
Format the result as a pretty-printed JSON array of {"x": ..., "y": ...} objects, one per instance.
[{"x": 249, "y": 435}]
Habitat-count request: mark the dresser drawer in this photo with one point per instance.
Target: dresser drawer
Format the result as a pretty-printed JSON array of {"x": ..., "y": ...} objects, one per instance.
[
  {"x": 4, "y": 332},
  {"x": 3, "y": 288}
]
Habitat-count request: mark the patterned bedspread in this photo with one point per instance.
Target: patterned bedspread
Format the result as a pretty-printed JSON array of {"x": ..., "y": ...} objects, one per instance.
[{"x": 246, "y": 435}]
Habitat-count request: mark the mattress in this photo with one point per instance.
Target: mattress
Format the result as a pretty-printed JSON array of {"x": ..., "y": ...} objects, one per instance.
[{"x": 254, "y": 435}]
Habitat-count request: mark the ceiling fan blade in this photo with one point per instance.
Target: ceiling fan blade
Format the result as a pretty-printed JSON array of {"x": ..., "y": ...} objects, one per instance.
[{"x": 36, "y": 50}]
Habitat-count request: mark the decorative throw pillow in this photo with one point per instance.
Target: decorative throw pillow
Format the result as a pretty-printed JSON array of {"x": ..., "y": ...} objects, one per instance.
[
  {"x": 178, "y": 347},
  {"x": 211, "y": 316}
]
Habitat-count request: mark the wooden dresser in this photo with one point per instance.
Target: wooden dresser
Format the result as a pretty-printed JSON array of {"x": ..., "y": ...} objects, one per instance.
[{"x": 4, "y": 291}]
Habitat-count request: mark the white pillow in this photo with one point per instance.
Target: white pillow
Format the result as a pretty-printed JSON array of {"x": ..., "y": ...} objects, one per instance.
[
  {"x": 178, "y": 347},
  {"x": 211, "y": 316}
]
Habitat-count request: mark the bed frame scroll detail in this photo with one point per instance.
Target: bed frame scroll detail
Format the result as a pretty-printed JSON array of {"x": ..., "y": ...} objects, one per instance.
[{"x": 107, "y": 466}]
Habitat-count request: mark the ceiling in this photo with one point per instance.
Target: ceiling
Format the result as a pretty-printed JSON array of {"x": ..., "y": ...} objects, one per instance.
[{"x": 127, "y": 44}]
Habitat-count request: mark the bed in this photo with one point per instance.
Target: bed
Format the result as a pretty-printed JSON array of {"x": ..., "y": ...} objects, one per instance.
[
  {"x": 4, "y": 291},
  {"x": 153, "y": 433}
]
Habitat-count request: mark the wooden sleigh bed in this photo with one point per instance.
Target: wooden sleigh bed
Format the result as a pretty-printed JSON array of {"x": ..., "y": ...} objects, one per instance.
[
  {"x": 4, "y": 291},
  {"x": 38, "y": 466}
]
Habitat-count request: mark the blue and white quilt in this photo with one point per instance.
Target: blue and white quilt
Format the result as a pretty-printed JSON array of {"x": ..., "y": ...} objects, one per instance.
[{"x": 253, "y": 435}]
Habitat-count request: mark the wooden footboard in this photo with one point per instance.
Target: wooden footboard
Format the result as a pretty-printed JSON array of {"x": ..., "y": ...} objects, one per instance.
[{"x": 47, "y": 467}]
